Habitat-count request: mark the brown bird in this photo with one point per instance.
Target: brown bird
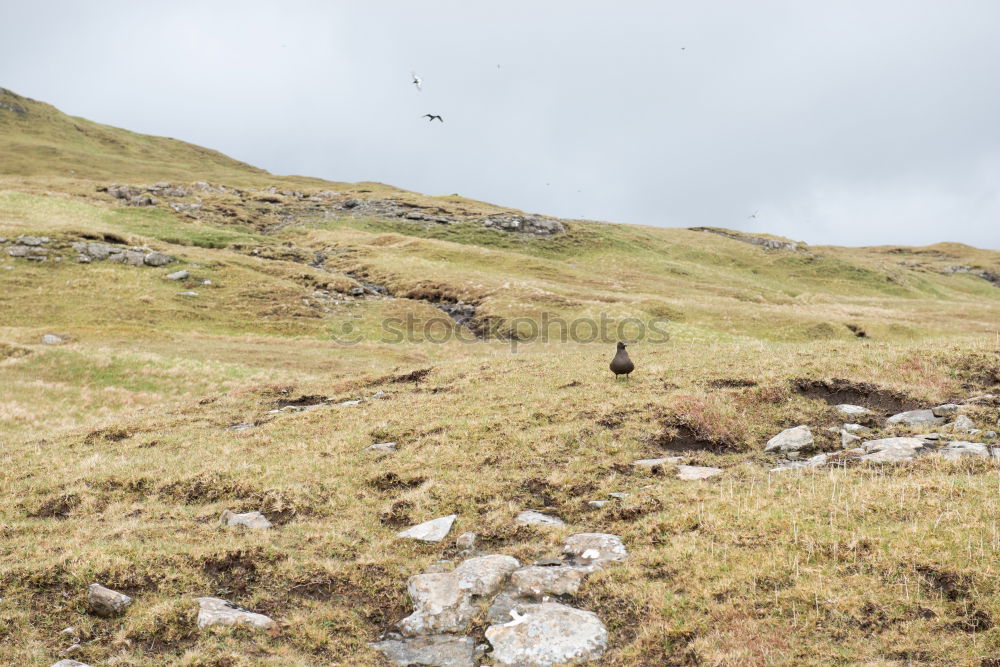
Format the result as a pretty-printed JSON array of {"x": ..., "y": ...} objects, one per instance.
[
  {"x": 430, "y": 117},
  {"x": 621, "y": 364}
]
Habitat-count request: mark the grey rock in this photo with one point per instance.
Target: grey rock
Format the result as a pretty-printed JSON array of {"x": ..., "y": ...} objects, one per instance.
[
  {"x": 618, "y": 495},
  {"x": 598, "y": 503},
  {"x": 251, "y": 520},
  {"x": 533, "y": 518},
  {"x": 214, "y": 611},
  {"x": 382, "y": 447},
  {"x": 857, "y": 429},
  {"x": 447, "y": 601},
  {"x": 157, "y": 259},
  {"x": 915, "y": 418},
  {"x": 548, "y": 634},
  {"x": 98, "y": 251},
  {"x": 34, "y": 241},
  {"x": 106, "y": 602},
  {"x": 693, "y": 473},
  {"x": 848, "y": 439},
  {"x": 893, "y": 450},
  {"x": 797, "y": 439},
  {"x": 439, "y": 566},
  {"x": 963, "y": 424},
  {"x": 436, "y": 650},
  {"x": 51, "y": 339},
  {"x": 946, "y": 410},
  {"x": 434, "y": 530},
  {"x": 188, "y": 294},
  {"x": 594, "y": 548},
  {"x": 239, "y": 427},
  {"x": 990, "y": 435},
  {"x": 27, "y": 252},
  {"x": 349, "y": 403},
  {"x": 134, "y": 258},
  {"x": 649, "y": 463},
  {"x": 178, "y": 275},
  {"x": 466, "y": 541},
  {"x": 536, "y": 581},
  {"x": 848, "y": 410},
  {"x": 958, "y": 449},
  {"x": 69, "y": 663},
  {"x": 982, "y": 399},
  {"x": 350, "y": 203}
]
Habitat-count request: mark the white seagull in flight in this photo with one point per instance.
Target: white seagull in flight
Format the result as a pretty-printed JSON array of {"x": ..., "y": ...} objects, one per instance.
[{"x": 416, "y": 80}]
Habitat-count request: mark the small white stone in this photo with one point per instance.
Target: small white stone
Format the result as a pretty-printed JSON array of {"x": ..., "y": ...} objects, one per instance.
[
  {"x": 434, "y": 530},
  {"x": 532, "y": 518}
]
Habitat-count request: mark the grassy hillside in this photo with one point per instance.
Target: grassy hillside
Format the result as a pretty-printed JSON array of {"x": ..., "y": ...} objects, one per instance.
[{"x": 117, "y": 458}]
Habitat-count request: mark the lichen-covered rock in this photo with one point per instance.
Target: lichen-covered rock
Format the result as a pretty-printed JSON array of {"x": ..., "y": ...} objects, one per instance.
[
  {"x": 533, "y": 518},
  {"x": 537, "y": 581},
  {"x": 251, "y": 520},
  {"x": 548, "y": 634},
  {"x": 106, "y": 602},
  {"x": 946, "y": 410},
  {"x": 893, "y": 450},
  {"x": 693, "y": 473},
  {"x": 915, "y": 418},
  {"x": 437, "y": 650}
]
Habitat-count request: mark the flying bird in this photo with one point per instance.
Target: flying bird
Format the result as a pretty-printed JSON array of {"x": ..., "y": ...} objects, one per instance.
[
  {"x": 430, "y": 117},
  {"x": 417, "y": 81},
  {"x": 621, "y": 364},
  {"x": 752, "y": 216}
]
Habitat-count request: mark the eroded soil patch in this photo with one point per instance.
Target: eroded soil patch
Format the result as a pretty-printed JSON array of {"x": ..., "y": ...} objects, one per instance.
[{"x": 836, "y": 391}]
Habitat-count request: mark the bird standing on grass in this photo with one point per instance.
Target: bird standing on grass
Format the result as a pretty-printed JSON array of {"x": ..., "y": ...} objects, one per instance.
[{"x": 621, "y": 364}]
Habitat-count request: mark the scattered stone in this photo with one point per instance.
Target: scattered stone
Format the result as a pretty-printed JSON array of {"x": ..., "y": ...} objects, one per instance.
[
  {"x": 178, "y": 275},
  {"x": 239, "y": 427},
  {"x": 213, "y": 611},
  {"x": 916, "y": 418},
  {"x": 594, "y": 548},
  {"x": 990, "y": 435},
  {"x": 349, "y": 403},
  {"x": 251, "y": 520},
  {"x": 105, "y": 602},
  {"x": 71, "y": 631},
  {"x": 618, "y": 495},
  {"x": 441, "y": 650},
  {"x": 187, "y": 294},
  {"x": 157, "y": 259},
  {"x": 946, "y": 410},
  {"x": 893, "y": 450},
  {"x": 598, "y": 503},
  {"x": 857, "y": 429},
  {"x": 536, "y": 581},
  {"x": 651, "y": 463},
  {"x": 430, "y": 531},
  {"x": 466, "y": 541},
  {"x": 69, "y": 663},
  {"x": 33, "y": 241},
  {"x": 548, "y": 634},
  {"x": 848, "y": 410},
  {"x": 791, "y": 440},
  {"x": 533, "y": 518},
  {"x": 693, "y": 473},
  {"x": 382, "y": 447},
  {"x": 527, "y": 224},
  {"x": 963, "y": 423},
  {"x": 445, "y": 601},
  {"x": 982, "y": 399},
  {"x": 51, "y": 339}
]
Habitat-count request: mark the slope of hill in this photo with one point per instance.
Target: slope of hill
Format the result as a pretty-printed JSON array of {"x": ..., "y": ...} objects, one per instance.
[{"x": 230, "y": 339}]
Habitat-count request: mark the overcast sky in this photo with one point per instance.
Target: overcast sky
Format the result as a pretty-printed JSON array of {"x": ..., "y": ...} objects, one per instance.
[{"x": 855, "y": 122}]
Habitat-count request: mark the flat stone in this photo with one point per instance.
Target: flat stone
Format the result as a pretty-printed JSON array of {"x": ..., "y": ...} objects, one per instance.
[
  {"x": 178, "y": 275},
  {"x": 915, "y": 418},
  {"x": 957, "y": 449},
  {"x": 618, "y": 495},
  {"x": 382, "y": 447},
  {"x": 692, "y": 473},
  {"x": 893, "y": 450},
  {"x": 434, "y": 530},
  {"x": 69, "y": 663},
  {"x": 649, "y": 463},
  {"x": 548, "y": 634},
  {"x": 251, "y": 520},
  {"x": 857, "y": 429},
  {"x": 438, "y": 650},
  {"x": 440, "y": 605},
  {"x": 594, "y": 548},
  {"x": 536, "y": 581},
  {"x": 51, "y": 339},
  {"x": 484, "y": 575},
  {"x": 213, "y": 611},
  {"x": 187, "y": 294},
  {"x": 106, "y": 602},
  {"x": 533, "y": 518},
  {"x": 349, "y": 403},
  {"x": 239, "y": 427},
  {"x": 797, "y": 439},
  {"x": 848, "y": 410},
  {"x": 946, "y": 410},
  {"x": 34, "y": 241},
  {"x": 598, "y": 503}
]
